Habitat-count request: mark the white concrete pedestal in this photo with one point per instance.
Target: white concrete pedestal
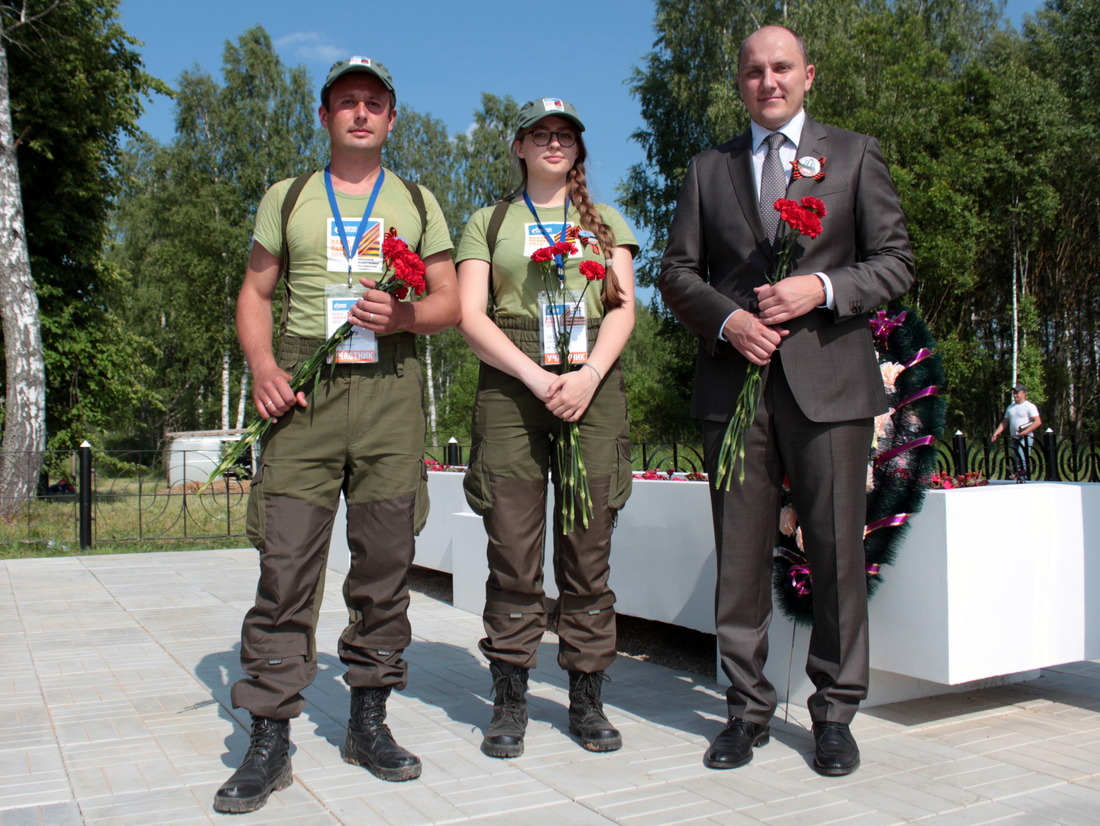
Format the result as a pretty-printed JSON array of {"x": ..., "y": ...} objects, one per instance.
[{"x": 990, "y": 583}]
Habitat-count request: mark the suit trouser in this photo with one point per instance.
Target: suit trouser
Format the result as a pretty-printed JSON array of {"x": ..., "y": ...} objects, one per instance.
[
  {"x": 826, "y": 465},
  {"x": 362, "y": 434},
  {"x": 1021, "y": 455},
  {"x": 511, "y": 458}
]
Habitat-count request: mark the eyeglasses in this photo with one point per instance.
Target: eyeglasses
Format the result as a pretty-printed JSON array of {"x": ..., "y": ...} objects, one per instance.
[{"x": 542, "y": 137}]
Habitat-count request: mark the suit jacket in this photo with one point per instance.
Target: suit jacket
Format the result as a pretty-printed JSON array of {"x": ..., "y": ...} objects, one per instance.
[{"x": 717, "y": 253}]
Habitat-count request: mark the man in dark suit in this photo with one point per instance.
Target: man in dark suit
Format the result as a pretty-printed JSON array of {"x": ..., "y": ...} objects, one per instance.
[{"x": 821, "y": 382}]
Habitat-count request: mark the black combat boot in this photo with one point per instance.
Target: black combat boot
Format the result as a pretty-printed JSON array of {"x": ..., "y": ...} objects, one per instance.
[
  {"x": 265, "y": 768},
  {"x": 505, "y": 735},
  {"x": 369, "y": 743},
  {"x": 586, "y": 717}
]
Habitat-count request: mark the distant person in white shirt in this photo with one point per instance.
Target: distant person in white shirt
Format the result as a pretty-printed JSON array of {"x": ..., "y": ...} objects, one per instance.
[{"x": 1021, "y": 420}]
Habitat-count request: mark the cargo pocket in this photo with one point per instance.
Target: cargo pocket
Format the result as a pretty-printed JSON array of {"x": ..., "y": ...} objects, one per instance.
[
  {"x": 622, "y": 477},
  {"x": 475, "y": 484},
  {"x": 254, "y": 513},
  {"x": 423, "y": 505}
]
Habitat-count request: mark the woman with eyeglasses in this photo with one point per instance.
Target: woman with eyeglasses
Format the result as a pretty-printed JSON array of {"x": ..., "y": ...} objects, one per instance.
[{"x": 528, "y": 259}]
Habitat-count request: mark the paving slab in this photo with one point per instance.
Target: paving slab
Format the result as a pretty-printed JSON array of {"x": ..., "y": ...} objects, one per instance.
[{"x": 115, "y": 674}]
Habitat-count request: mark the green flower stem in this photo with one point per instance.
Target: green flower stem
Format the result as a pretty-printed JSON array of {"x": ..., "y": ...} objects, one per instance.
[
  {"x": 302, "y": 376},
  {"x": 576, "y": 498},
  {"x": 573, "y": 478},
  {"x": 732, "y": 454}
]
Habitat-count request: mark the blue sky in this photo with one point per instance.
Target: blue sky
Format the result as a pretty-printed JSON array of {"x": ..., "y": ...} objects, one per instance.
[{"x": 442, "y": 55}]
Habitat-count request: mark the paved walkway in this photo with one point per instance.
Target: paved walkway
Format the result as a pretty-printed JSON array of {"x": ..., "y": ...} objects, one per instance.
[{"x": 114, "y": 693}]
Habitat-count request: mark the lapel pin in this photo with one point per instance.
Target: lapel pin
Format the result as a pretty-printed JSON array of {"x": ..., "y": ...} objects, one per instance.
[{"x": 808, "y": 167}]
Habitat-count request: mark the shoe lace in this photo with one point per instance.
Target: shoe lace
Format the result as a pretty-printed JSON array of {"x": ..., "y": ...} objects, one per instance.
[
  {"x": 373, "y": 710},
  {"x": 510, "y": 687},
  {"x": 589, "y": 688},
  {"x": 265, "y": 737}
]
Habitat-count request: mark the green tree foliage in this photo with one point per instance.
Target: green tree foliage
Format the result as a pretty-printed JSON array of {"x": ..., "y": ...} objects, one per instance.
[
  {"x": 185, "y": 223},
  {"x": 980, "y": 127},
  {"x": 77, "y": 86},
  {"x": 1062, "y": 42},
  {"x": 658, "y": 361},
  {"x": 465, "y": 172}
]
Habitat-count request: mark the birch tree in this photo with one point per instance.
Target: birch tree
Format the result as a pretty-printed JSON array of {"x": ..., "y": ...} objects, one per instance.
[
  {"x": 185, "y": 224},
  {"x": 75, "y": 87},
  {"x": 25, "y": 397}
]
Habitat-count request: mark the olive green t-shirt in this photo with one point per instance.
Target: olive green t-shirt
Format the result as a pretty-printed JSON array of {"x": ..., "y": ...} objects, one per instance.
[
  {"x": 316, "y": 256},
  {"x": 516, "y": 279}
]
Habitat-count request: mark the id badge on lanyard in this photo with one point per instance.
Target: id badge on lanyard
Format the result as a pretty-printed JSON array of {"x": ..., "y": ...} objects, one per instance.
[
  {"x": 563, "y": 314},
  {"x": 361, "y": 347}
]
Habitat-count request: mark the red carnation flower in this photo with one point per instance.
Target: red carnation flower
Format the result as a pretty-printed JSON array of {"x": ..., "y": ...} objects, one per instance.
[
  {"x": 593, "y": 270},
  {"x": 410, "y": 269},
  {"x": 542, "y": 255},
  {"x": 802, "y": 218},
  {"x": 393, "y": 248},
  {"x": 816, "y": 205}
]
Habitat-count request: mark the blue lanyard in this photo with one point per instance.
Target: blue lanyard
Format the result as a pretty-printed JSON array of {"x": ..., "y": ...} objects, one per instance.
[
  {"x": 363, "y": 222},
  {"x": 559, "y": 261}
]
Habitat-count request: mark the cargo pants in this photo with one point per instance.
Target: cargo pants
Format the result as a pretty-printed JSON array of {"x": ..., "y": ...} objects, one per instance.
[
  {"x": 362, "y": 434},
  {"x": 506, "y": 482}
]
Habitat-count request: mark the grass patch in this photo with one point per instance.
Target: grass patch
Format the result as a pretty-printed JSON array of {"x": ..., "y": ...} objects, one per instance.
[{"x": 131, "y": 515}]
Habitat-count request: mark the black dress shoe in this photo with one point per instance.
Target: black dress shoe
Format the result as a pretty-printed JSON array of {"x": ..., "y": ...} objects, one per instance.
[
  {"x": 733, "y": 747},
  {"x": 835, "y": 749}
]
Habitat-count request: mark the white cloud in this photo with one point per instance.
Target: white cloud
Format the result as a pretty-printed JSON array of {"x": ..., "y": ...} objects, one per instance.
[{"x": 311, "y": 46}]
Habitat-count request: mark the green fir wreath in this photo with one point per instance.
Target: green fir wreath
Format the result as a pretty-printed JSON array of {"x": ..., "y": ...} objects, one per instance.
[{"x": 902, "y": 459}]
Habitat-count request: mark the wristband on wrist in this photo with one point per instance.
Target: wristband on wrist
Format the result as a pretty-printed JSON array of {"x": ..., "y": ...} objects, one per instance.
[{"x": 599, "y": 375}]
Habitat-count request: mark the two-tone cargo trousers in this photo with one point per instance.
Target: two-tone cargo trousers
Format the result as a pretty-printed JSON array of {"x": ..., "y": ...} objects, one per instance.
[
  {"x": 506, "y": 483},
  {"x": 362, "y": 434}
]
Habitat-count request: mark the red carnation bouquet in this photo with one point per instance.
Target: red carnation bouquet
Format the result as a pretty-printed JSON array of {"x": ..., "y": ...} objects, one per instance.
[
  {"x": 801, "y": 218},
  {"x": 404, "y": 272},
  {"x": 576, "y": 498}
]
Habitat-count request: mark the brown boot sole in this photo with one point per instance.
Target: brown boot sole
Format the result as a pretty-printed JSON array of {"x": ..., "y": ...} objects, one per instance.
[
  {"x": 500, "y": 750},
  {"x": 608, "y": 744},
  {"x": 240, "y": 805},
  {"x": 396, "y": 775}
]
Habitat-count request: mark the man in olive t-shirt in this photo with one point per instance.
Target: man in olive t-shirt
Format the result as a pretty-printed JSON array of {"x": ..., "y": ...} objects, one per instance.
[{"x": 358, "y": 430}]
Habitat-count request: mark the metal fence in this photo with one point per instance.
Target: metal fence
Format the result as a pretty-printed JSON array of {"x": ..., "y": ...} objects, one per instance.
[
  {"x": 87, "y": 497},
  {"x": 98, "y": 496},
  {"x": 1049, "y": 458}
]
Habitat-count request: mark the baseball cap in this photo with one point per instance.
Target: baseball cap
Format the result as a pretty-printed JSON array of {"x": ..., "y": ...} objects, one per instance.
[
  {"x": 535, "y": 110},
  {"x": 357, "y": 64},
  {"x": 1019, "y": 388}
]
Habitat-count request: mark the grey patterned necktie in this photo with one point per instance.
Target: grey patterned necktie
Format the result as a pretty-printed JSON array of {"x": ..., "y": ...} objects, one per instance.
[{"x": 773, "y": 185}]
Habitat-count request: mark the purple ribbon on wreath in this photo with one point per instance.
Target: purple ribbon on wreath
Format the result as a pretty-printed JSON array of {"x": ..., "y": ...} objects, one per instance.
[
  {"x": 895, "y": 521},
  {"x": 886, "y": 456},
  {"x": 882, "y": 325},
  {"x": 801, "y": 579},
  {"x": 920, "y": 356}
]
